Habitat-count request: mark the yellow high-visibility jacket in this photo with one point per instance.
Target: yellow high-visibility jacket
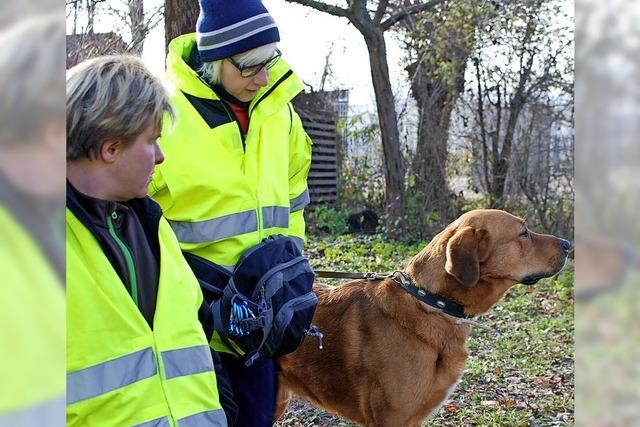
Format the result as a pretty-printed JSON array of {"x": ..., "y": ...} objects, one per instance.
[
  {"x": 120, "y": 372},
  {"x": 32, "y": 332},
  {"x": 219, "y": 197}
]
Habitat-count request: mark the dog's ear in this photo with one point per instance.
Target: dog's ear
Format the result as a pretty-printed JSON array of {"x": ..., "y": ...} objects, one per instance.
[{"x": 466, "y": 249}]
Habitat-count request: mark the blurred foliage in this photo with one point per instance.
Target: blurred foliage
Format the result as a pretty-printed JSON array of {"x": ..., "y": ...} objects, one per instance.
[{"x": 607, "y": 365}]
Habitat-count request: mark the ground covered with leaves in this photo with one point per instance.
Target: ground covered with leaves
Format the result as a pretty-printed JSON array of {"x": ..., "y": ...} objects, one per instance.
[{"x": 520, "y": 376}]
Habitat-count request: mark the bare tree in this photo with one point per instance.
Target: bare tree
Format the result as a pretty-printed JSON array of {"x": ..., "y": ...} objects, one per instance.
[
  {"x": 91, "y": 14},
  {"x": 130, "y": 17},
  {"x": 72, "y": 10},
  {"x": 543, "y": 166},
  {"x": 373, "y": 22},
  {"x": 139, "y": 22},
  {"x": 535, "y": 62},
  {"x": 327, "y": 70}
]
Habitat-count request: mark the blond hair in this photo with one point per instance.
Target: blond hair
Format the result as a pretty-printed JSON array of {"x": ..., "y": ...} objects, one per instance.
[{"x": 111, "y": 97}]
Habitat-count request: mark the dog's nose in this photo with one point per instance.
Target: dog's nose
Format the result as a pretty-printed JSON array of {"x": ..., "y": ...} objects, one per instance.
[{"x": 566, "y": 245}]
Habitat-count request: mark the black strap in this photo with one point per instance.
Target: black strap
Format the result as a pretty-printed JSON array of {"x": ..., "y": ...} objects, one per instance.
[
  {"x": 206, "y": 319},
  {"x": 436, "y": 301},
  {"x": 344, "y": 275},
  {"x": 446, "y": 305}
]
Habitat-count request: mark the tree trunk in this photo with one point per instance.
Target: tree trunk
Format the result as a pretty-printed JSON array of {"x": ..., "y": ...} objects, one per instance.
[
  {"x": 436, "y": 99},
  {"x": 91, "y": 14},
  {"x": 180, "y": 17},
  {"x": 394, "y": 171}
]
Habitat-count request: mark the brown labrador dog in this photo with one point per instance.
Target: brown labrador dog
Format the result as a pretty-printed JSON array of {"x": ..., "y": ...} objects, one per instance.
[{"x": 391, "y": 360}]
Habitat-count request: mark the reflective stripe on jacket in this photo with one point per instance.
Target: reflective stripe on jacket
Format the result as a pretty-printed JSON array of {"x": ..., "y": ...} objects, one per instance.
[
  {"x": 120, "y": 372},
  {"x": 220, "y": 198}
]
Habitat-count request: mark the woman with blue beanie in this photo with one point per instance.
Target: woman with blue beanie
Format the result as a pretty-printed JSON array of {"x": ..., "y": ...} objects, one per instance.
[{"x": 236, "y": 160}]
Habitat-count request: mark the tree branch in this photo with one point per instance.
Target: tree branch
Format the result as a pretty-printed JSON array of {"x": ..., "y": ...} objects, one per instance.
[
  {"x": 382, "y": 8},
  {"x": 392, "y": 20},
  {"x": 323, "y": 7}
]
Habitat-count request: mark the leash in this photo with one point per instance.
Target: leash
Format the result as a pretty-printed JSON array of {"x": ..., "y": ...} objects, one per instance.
[
  {"x": 343, "y": 275},
  {"x": 443, "y": 305}
]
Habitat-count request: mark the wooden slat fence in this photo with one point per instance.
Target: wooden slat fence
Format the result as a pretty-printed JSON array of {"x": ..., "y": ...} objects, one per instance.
[{"x": 324, "y": 174}]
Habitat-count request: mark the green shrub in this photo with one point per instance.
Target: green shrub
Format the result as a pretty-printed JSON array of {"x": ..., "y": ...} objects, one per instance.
[{"x": 327, "y": 219}]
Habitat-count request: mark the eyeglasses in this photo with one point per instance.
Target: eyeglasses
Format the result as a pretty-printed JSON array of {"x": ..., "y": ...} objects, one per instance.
[{"x": 252, "y": 70}]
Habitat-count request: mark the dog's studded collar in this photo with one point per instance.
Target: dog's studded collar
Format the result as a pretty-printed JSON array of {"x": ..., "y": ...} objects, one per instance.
[{"x": 445, "y": 305}]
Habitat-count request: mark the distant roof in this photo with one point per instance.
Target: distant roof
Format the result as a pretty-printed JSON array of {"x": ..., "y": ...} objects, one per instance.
[{"x": 85, "y": 46}]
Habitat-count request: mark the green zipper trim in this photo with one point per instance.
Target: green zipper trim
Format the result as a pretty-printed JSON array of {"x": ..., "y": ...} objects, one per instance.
[{"x": 127, "y": 256}]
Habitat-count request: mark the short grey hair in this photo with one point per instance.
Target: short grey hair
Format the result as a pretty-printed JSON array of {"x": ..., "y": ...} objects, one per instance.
[
  {"x": 211, "y": 71},
  {"x": 111, "y": 97}
]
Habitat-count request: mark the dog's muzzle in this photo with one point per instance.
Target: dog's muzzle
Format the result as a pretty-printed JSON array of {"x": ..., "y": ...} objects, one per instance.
[{"x": 532, "y": 280}]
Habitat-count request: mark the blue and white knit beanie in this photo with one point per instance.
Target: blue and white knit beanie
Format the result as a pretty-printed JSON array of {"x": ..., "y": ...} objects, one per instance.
[{"x": 228, "y": 27}]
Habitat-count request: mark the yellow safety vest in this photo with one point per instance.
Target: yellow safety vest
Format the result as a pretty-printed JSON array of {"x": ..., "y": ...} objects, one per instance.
[
  {"x": 120, "y": 372},
  {"x": 219, "y": 198},
  {"x": 32, "y": 332}
]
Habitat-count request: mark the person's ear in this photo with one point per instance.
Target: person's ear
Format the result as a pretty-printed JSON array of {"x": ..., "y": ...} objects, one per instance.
[{"x": 110, "y": 150}]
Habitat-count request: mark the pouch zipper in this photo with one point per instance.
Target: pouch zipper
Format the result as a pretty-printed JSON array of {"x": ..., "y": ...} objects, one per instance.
[{"x": 269, "y": 274}]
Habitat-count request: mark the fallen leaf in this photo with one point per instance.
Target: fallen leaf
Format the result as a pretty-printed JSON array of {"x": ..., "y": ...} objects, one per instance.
[
  {"x": 452, "y": 407},
  {"x": 509, "y": 403}
]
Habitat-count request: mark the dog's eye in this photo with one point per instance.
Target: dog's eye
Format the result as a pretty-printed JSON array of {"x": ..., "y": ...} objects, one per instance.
[{"x": 525, "y": 233}]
